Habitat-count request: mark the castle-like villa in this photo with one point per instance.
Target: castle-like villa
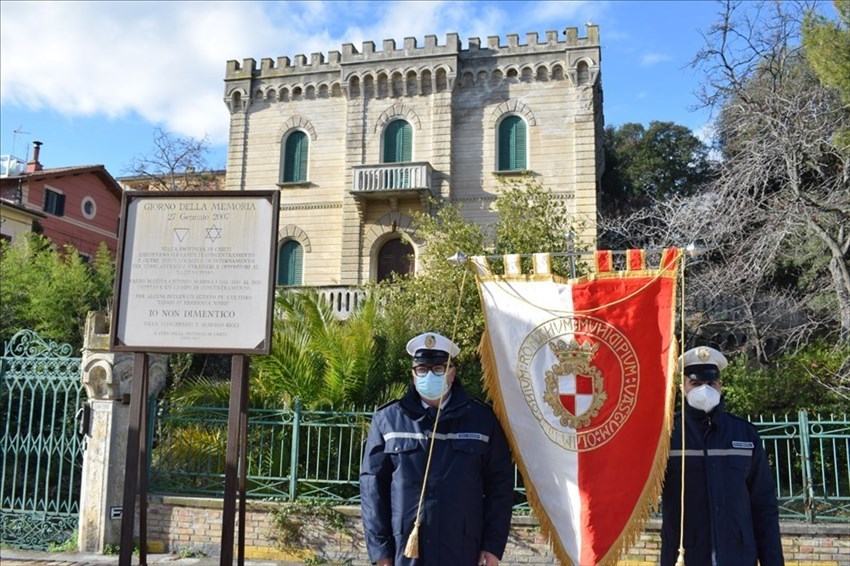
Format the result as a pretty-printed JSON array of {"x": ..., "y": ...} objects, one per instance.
[{"x": 358, "y": 140}]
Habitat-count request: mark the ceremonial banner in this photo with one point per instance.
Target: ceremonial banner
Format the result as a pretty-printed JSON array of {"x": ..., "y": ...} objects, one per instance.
[{"x": 581, "y": 373}]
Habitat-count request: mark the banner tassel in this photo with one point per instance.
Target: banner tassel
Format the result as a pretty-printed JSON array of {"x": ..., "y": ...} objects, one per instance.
[
  {"x": 681, "y": 560},
  {"x": 411, "y": 549}
]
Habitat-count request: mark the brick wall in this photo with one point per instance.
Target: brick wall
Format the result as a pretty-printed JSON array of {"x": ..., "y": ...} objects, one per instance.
[{"x": 176, "y": 524}]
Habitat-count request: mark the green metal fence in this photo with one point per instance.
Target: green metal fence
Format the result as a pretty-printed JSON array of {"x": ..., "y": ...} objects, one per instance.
[
  {"x": 42, "y": 454},
  {"x": 323, "y": 448},
  {"x": 295, "y": 453},
  {"x": 810, "y": 458}
]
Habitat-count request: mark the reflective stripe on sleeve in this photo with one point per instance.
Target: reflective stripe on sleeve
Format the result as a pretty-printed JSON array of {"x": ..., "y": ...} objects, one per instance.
[
  {"x": 439, "y": 436},
  {"x": 712, "y": 452}
]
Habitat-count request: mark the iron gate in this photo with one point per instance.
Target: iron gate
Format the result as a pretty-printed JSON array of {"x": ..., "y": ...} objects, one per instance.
[{"x": 42, "y": 454}]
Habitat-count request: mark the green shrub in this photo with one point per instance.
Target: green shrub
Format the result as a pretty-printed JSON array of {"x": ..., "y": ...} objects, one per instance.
[{"x": 813, "y": 379}]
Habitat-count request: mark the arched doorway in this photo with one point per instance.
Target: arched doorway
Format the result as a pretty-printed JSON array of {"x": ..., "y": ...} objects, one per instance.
[{"x": 395, "y": 256}]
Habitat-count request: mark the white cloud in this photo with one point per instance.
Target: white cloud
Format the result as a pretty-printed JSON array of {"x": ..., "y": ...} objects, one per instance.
[
  {"x": 707, "y": 134},
  {"x": 165, "y": 61},
  {"x": 650, "y": 59},
  {"x": 162, "y": 61}
]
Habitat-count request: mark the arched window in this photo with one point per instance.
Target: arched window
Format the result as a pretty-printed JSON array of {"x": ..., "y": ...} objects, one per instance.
[
  {"x": 398, "y": 142},
  {"x": 295, "y": 150},
  {"x": 512, "y": 144},
  {"x": 582, "y": 73},
  {"x": 395, "y": 257},
  {"x": 290, "y": 263}
]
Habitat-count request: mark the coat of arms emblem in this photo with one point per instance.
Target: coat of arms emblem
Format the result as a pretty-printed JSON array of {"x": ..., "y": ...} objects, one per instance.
[
  {"x": 581, "y": 373},
  {"x": 574, "y": 387}
]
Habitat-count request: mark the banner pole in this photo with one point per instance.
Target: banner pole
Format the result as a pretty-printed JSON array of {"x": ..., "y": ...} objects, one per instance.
[
  {"x": 680, "y": 561},
  {"x": 570, "y": 254}
]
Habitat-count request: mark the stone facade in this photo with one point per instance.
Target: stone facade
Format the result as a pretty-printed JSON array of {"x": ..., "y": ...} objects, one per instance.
[{"x": 453, "y": 99}]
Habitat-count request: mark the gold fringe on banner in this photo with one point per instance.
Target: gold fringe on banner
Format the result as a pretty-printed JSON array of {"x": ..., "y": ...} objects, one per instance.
[
  {"x": 491, "y": 381},
  {"x": 650, "y": 496}
]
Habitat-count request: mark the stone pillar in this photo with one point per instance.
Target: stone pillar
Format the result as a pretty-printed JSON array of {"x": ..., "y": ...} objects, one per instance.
[{"x": 107, "y": 377}]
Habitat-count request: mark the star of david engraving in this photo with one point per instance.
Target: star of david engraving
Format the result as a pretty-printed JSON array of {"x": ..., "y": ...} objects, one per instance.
[{"x": 213, "y": 233}]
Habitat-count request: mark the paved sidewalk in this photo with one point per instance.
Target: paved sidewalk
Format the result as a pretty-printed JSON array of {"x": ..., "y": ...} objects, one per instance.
[{"x": 14, "y": 557}]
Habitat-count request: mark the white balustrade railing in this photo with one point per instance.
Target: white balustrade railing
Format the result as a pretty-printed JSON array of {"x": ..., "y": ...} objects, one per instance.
[
  {"x": 343, "y": 300},
  {"x": 392, "y": 177}
]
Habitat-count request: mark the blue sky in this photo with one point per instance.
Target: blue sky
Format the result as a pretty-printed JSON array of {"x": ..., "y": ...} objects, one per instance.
[{"x": 92, "y": 80}]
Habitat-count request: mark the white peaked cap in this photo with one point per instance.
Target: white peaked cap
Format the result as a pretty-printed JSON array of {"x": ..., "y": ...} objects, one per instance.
[
  {"x": 703, "y": 355},
  {"x": 432, "y": 341}
]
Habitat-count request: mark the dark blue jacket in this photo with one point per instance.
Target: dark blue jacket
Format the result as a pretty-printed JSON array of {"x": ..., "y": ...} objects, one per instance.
[
  {"x": 469, "y": 494},
  {"x": 730, "y": 497}
]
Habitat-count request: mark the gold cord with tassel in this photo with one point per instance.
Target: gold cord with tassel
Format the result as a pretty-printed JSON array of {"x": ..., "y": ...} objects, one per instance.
[
  {"x": 680, "y": 561},
  {"x": 411, "y": 549}
]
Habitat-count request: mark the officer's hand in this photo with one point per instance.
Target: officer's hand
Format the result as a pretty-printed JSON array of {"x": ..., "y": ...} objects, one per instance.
[
  {"x": 487, "y": 559},
  {"x": 385, "y": 562}
]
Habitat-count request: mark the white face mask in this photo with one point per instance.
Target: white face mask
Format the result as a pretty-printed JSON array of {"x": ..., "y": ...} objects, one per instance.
[
  {"x": 705, "y": 397},
  {"x": 431, "y": 386}
]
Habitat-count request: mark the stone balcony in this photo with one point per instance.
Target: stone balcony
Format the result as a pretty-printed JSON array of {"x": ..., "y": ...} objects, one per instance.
[
  {"x": 342, "y": 298},
  {"x": 393, "y": 180}
]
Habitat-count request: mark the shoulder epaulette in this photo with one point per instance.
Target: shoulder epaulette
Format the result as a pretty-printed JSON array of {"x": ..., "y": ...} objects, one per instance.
[
  {"x": 743, "y": 420},
  {"x": 385, "y": 405}
]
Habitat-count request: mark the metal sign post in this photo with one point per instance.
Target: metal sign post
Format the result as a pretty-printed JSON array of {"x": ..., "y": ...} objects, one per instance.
[
  {"x": 196, "y": 273},
  {"x": 136, "y": 455},
  {"x": 236, "y": 458}
]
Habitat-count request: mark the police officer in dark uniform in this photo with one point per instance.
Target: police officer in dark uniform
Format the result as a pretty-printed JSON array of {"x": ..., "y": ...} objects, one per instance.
[
  {"x": 731, "y": 515},
  {"x": 467, "y": 504}
]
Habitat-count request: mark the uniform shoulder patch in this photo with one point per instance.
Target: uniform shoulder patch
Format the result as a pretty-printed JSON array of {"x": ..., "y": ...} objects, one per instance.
[{"x": 742, "y": 444}]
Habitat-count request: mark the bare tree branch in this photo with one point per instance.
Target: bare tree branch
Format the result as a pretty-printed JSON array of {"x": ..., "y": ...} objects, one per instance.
[{"x": 175, "y": 163}]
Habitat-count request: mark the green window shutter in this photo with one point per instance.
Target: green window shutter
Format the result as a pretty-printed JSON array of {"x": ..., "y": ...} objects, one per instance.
[
  {"x": 512, "y": 144},
  {"x": 520, "y": 145},
  {"x": 295, "y": 158},
  {"x": 398, "y": 142},
  {"x": 290, "y": 265},
  {"x": 297, "y": 265},
  {"x": 303, "y": 150},
  {"x": 406, "y": 143},
  {"x": 390, "y": 143}
]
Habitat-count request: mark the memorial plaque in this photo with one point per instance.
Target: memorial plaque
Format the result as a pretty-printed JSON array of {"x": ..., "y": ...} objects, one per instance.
[{"x": 196, "y": 272}]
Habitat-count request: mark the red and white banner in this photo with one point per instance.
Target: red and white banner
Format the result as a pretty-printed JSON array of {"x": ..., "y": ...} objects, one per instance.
[{"x": 581, "y": 374}]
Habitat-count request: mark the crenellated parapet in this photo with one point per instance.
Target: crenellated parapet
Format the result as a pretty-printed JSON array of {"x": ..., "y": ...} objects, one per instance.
[
  {"x": 537, "y": 59},
  {"x": 415, "y": 70}
]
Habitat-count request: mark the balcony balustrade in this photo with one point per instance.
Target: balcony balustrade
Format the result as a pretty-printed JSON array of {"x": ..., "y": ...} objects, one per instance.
[
  {"x": 392, "y": 179},
  {"x": 342, "y": 298}
]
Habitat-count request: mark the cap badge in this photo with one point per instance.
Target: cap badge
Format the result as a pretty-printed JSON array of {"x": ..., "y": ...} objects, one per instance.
[
  {"x": 430, "y": 341},
  {"x": 703, "y": 354}
]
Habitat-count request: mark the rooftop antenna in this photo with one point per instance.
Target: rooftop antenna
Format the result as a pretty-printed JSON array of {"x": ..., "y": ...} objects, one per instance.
[{"x": 15, "y": 134}]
